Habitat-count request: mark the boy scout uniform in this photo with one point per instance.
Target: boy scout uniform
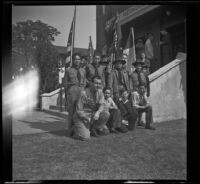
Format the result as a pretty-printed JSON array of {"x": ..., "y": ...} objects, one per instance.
[
  {"x": 92, "y": 71},
  {"x": 74, "y": 83},
  {"x": 137, "y": 78},
  {"x": 119, "y": 79}
]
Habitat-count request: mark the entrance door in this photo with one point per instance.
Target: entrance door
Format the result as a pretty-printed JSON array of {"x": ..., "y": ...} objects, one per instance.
[{"x": 178, "y": 44}]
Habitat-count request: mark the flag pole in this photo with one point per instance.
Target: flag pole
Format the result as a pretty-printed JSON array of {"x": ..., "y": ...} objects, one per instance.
[
  {"x": 73, "y": 35},
  {"x": 133, "y": 37}
]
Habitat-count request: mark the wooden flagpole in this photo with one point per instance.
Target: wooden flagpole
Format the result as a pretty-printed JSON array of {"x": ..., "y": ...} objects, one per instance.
[{"x": 133, "y": 37}]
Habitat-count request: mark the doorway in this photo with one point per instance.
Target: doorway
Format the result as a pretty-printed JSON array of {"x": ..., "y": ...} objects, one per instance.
[{"x": 177, "y": 42}]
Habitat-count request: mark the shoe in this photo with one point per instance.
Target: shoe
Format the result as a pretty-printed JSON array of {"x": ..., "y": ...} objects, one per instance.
[
  {"x": 113, "y": 130},
  {"x": 79, "y": 138},
  {"x": 124, "y": 122},
  {"x": 141, "y": 123},
  {"x": 150, "y": 128},
  {"x": 103, "y": 132},
  {"x": 131, "y": 128},
  {"x": 94, "y": 133},
  {"x": 122, "y": 129},
  {"x": 70, "y": 132}
]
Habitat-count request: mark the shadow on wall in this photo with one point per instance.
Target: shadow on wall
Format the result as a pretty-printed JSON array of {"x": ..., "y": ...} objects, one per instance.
[{"x": 182, "y": 68}]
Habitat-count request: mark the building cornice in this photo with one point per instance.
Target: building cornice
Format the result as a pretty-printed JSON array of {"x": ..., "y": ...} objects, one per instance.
[
  {"x": 131, "y": 13},
  {"x": 134, "y": 12}
]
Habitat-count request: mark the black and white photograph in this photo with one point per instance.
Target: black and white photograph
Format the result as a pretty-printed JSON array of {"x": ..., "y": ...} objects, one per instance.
[{"x": 98, "y": 92}]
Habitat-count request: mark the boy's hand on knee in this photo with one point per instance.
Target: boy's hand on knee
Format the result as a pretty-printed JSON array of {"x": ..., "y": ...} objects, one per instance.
[{"x": 96, "y": 116}]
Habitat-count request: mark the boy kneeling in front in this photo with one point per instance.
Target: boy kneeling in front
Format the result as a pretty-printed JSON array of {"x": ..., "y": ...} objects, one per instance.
[
  {"x": 141, "y": 104},
  {"x": 128, "y": 113},
  {"x": 90, "y": 117},
  {"x": 115, "y": 121}
]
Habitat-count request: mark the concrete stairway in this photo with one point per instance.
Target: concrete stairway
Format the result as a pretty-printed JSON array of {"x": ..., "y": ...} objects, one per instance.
[
  {"x": 168, "y": 93},
  {"x": 168, "y": 90}
]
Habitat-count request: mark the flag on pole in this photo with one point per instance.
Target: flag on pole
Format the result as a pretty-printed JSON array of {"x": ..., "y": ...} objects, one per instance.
[
  {"x": 90, "y": 50},
  {"x": 117, "y": 27},
  {"x": 130, "y": 49},
  {"x": 117, "y": 38},
  {"x": 70, "y": 42},
  {"x": 114, "y": 47}
]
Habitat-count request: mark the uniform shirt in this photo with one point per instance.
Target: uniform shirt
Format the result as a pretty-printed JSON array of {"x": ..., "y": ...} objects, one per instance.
[
  {"x": 74, "y": 76},
  {"x": 115, "y": 82},
  {"x": 125, "y": 107},
  {"x": 139, "y": 47},
  {"x": 88, "y": 103},
  {"x": 91, "y": 71},
  {"x": 137, "y": 79},
  {"x": 149, "y": 49},
  {"x": 146, "y": 61},
  {"x": 109, "y": 104},
  {"x": 139, "y": 100}
]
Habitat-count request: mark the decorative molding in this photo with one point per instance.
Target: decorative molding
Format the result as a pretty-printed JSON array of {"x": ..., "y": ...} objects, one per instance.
[
  {"x": 130, "y": 13},
  {"x": 135, "y": 11},
  {"x": 131, "y": 10}
]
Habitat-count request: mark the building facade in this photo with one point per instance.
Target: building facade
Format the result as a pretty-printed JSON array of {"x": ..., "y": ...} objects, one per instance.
[{"x": 144, "y": 19}]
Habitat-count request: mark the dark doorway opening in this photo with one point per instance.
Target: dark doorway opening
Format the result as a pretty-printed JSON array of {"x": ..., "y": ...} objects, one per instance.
[{"x": 177, "y": 42}]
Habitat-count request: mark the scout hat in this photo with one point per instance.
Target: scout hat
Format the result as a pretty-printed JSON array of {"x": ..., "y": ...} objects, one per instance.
[
  {"x": 102, "y": 59},
  {"x": 139, "y": 61},
  {"x": 145, "y": 65},
  {"x": 119, "y": 59}
]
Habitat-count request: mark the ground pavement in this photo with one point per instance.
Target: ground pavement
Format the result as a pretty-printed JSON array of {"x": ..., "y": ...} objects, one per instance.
[
  {"x": 39, "y": 122},
  {"x": 42, "y": 151}
]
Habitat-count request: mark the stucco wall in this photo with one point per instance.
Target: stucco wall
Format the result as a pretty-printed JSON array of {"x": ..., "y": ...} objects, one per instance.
[
  {"x": 51, "y": 99},
  {"x": 168, "y": 94}
]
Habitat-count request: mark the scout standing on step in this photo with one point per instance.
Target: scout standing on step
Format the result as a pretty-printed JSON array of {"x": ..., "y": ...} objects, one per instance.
[
  {"x": 119, "y": 79},
  {"x": 95, "y": 69},
  {"x": 74, "y": 83},
  {"x": 138, "y": 78}
]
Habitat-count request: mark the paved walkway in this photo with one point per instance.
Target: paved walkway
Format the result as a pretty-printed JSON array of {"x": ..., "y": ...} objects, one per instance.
[{"x": 39, "y": 122}]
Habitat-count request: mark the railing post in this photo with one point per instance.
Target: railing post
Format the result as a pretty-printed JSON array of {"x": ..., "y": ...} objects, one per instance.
[{"x": 60, "y": 98}]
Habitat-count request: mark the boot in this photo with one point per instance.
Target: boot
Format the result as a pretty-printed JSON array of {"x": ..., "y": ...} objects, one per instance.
[
  {"x": 94, "y": 133},
  {"x": 103, "y": 132},
  {"x": 150, "y": 127},
  {"x": 122, "y": 129},
  {"x": 113, "y": 130},
  {"x": 141, "y": 123}
]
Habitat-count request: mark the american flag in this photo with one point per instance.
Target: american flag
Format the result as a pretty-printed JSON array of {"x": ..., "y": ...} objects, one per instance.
[
  {"x": 117, "y": 27},
  {"x": 115, "y": 41},
  {"x": 116, "y": 38},
  {"x": 70, "y": 41},
  {"x": 90, "y": 48}
]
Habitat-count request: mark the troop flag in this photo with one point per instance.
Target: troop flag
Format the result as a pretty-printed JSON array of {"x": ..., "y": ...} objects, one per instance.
[
  {"x": 90, "y": 50},
  {"x": 116, "y": 38},
  {"x": 130, "y": 49},
  {"x": 70, "y": 42},
  {"x": 117, "y": 27}
]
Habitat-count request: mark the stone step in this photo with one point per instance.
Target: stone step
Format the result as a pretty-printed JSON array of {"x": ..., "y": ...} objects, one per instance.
[{"x": 55, "y": 107}]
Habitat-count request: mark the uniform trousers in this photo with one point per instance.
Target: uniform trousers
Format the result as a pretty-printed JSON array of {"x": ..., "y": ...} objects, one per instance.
[
  {"x": 82, "y": 129},
  {"x": 114, "y": 119},
  {"x": 128, "y": 113},
  {"x": 73, "y": 95},
  {"x": 148, "y": 115}
]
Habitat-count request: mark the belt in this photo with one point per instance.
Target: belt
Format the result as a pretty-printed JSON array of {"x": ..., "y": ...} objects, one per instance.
[{"x": 75, "y": 84}]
